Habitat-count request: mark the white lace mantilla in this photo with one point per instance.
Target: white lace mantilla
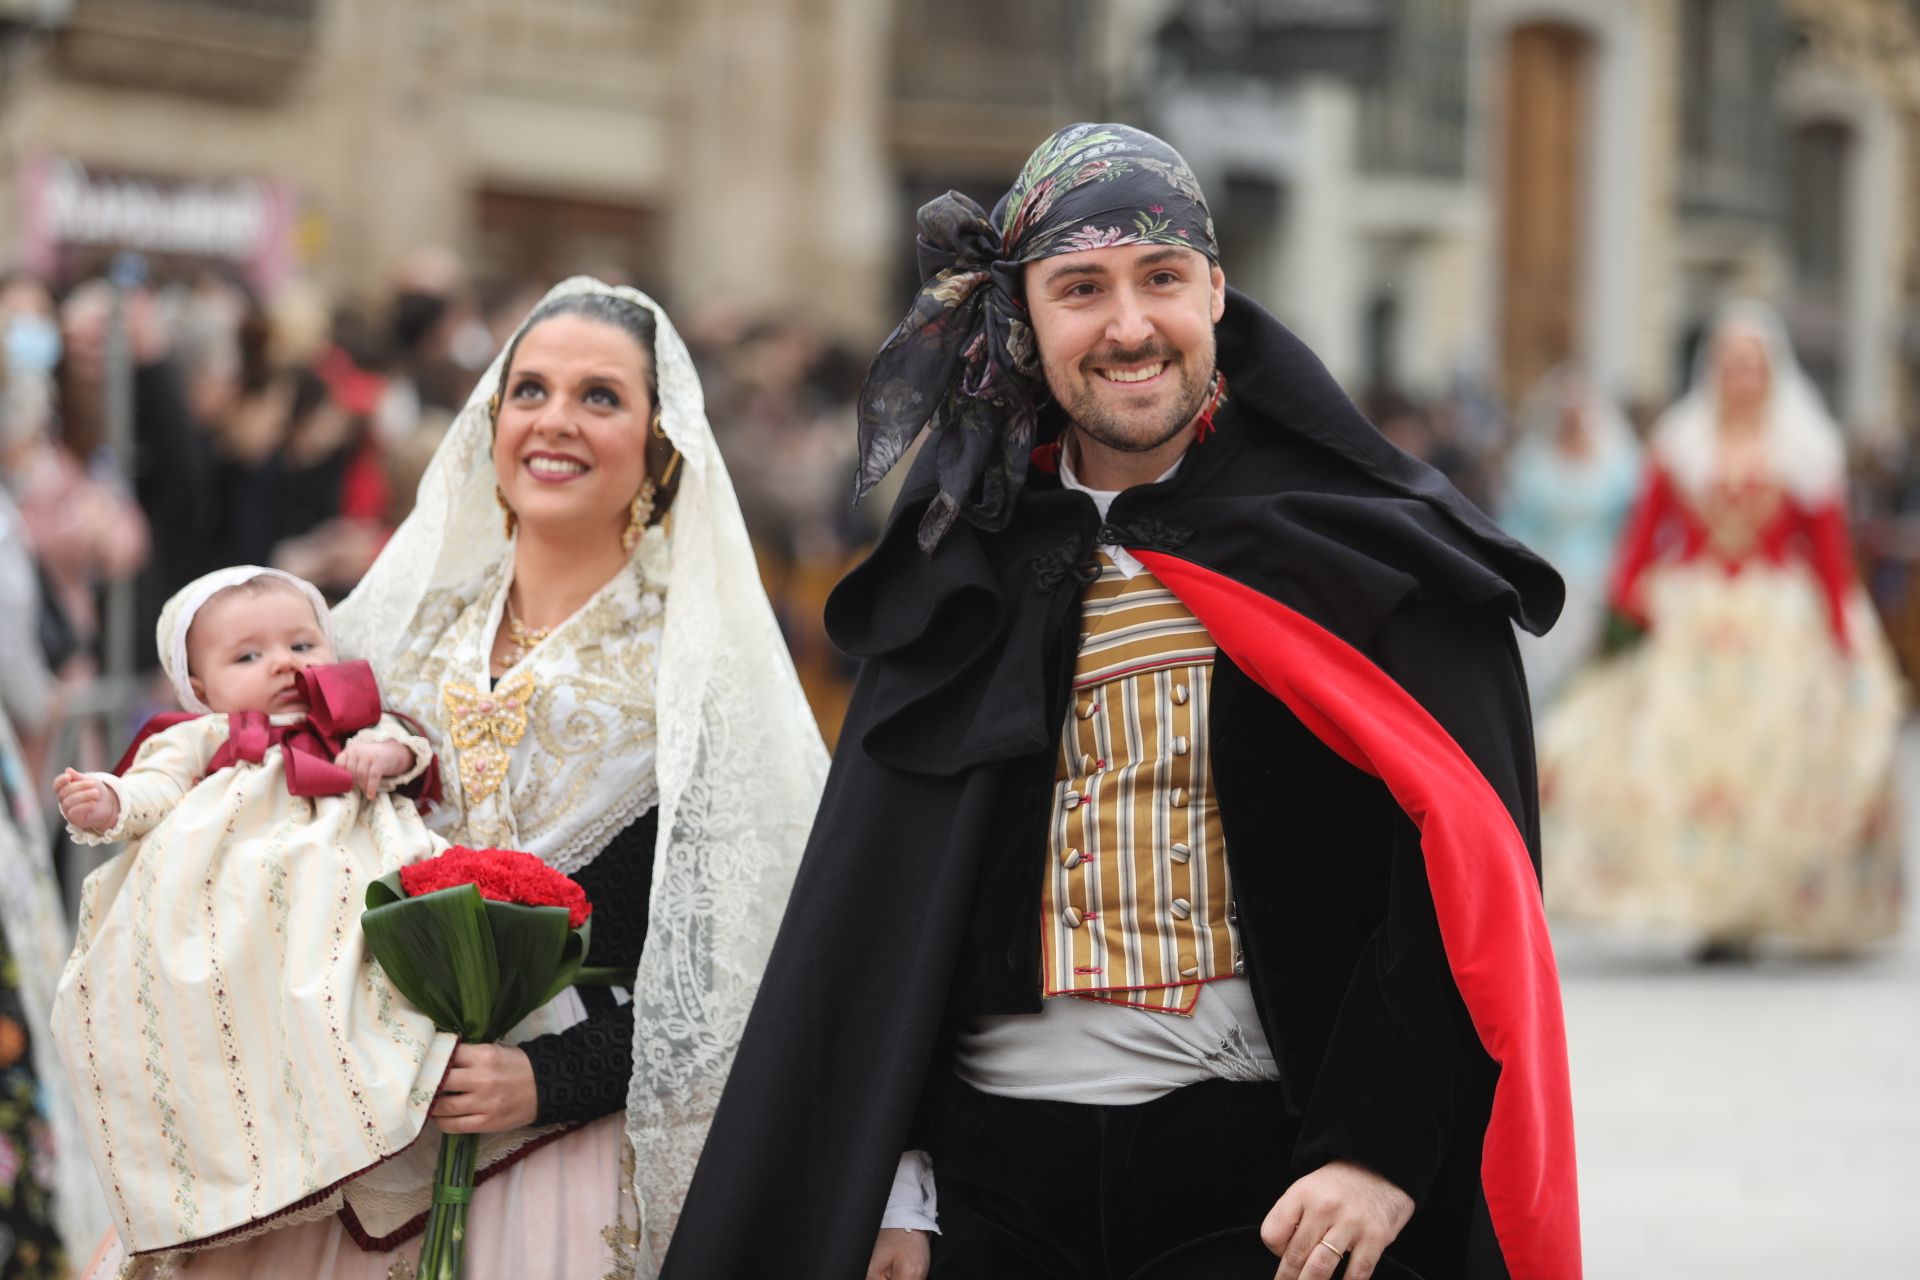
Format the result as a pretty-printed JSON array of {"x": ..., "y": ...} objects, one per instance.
[{"x": 737, "y": 760}]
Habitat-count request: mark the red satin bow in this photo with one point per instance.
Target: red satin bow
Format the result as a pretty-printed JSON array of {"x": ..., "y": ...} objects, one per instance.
[{"x": 342, "y": 699}]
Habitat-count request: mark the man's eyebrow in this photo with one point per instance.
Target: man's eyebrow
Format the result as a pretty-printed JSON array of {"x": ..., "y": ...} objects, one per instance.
[{"x": 1081, "y": 269}]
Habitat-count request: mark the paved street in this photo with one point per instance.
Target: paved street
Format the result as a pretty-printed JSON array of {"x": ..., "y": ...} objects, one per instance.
[{"x": 1749, "y": 1122}]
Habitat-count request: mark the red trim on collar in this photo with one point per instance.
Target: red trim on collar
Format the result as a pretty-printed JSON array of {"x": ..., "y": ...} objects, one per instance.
[{"x": 1204, "y": 426}]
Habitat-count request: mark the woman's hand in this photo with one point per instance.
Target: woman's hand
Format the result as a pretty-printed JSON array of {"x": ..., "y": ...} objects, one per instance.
[
  {"x": 488, "y": 1089},
  {"x": 86, "y": 802},
  {"x": 900, "y": 1253}
]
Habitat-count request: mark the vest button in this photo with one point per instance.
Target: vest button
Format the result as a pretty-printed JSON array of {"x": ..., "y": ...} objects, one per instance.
[
  {"x": 1180, "y": 745},
  {"x": 1179, "y": 797},
  {"x": 1192, "y": 970},
  {"x": 1072, "y": 918},
  {"x": 1180, "y": 695},
  {"x": 1181, "y": 853},
  {"x": 1086, "y": 763},
  {"x": 1088, "y": 710},
  {"x": 1240, "y": 964},
  {"x": 1182, "y": 909},
  {"x": 1233, "y": 912},
  {"x": 1072, "y": 800},
  {"x": 1072, "y": 858}
]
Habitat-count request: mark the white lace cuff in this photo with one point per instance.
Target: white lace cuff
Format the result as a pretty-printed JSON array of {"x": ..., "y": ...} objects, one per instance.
[
  {"x": 913, "y": 1203},
  {"x": 389, "y": 729},
  {"x": 118, "y": 831}
]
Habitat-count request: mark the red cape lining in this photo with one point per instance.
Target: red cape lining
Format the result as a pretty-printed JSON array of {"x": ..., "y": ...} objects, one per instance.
[{"x": 1492, "y": 923}]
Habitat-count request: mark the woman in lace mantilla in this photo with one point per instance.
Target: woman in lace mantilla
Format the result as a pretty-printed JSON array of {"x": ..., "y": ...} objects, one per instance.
[{"x": 573, "y": 612}]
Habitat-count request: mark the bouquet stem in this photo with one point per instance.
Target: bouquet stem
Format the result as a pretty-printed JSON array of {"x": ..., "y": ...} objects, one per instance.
[{"x": 444, "y": 1247}]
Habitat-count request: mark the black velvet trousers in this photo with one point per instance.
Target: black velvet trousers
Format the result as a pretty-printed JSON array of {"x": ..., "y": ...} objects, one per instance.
[{"x": 1162, "y": 1190}]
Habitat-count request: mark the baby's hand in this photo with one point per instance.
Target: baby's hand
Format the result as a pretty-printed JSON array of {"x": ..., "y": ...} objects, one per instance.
[
  {"x": 86, "y": 802},
  {"x": 370, "y": 762}
]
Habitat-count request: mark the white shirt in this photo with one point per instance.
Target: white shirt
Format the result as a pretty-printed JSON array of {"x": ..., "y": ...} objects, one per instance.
[{"x": 1129, "y": 567}]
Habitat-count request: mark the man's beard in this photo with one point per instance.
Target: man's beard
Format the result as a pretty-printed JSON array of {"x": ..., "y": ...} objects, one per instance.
[{"x": 1134, "y": 432}]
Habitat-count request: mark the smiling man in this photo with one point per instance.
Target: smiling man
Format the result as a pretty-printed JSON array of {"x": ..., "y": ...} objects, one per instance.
[{"x": 1173, "y": 905}]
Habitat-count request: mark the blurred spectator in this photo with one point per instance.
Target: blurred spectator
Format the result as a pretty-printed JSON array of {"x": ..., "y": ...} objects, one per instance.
[
  {"x": 1445, "y": 436},
  {"x": 1887, "y": 505},
  {"x": 1404, "y": 423},
  {"x": 440, "y": 343},
  {"x": 168, "y": 471},
  {"x": 26, "y": 677},
  {"x": 1568, "y": 484},
  {"x": 332, "y": 497},
  {"x": 84, "y": 529},
  {"x": 69, "y": 530},
  {"x": 781, "y": 401},
  {"x": 295, "y": 430}
]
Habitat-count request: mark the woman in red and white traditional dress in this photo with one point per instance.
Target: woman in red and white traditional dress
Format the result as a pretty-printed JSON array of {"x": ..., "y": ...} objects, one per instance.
[{"x": 1731, "y": 776}]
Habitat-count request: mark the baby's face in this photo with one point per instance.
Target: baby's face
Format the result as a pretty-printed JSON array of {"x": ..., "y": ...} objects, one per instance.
[{"x": 244, "y": 648}]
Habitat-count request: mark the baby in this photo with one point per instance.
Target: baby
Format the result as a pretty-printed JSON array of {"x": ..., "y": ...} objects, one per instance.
[
  {"x": 236, "y": 1052},
  {"x": 244, "y": 649}
]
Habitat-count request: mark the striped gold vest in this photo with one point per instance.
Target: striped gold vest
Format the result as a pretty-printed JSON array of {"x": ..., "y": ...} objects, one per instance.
[{"x": 1137, "y": 907}]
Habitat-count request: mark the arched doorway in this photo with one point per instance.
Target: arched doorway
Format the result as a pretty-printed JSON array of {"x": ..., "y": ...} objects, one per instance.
[{"x": 1548, "y": 73}]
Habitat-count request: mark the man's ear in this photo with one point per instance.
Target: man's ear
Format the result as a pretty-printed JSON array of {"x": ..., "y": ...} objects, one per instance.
[{"x": 1218, "y": 280}]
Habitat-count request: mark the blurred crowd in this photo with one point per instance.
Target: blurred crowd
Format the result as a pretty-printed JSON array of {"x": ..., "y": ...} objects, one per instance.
[
  {"x": 153, "y": 430},
  {"x": 293, "y": 431}
]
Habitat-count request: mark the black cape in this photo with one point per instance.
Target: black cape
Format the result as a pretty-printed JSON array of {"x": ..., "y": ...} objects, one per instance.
[{"x": 1373, "y": 763}]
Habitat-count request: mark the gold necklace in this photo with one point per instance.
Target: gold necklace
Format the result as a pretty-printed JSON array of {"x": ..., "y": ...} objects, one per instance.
[{"x": 521, "y": 638}]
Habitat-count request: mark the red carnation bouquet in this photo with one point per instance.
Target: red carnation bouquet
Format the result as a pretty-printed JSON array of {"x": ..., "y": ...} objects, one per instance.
[
  {"x": 501, "y": 875},
  {"x": 478, "y": 939}
]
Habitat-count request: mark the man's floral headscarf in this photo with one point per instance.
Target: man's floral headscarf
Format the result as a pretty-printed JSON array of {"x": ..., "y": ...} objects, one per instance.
[{"x": 964, "y": 363}]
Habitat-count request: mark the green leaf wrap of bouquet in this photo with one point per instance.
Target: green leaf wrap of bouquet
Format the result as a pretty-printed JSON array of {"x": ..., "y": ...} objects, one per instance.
[{"x": 505, "y": 935}]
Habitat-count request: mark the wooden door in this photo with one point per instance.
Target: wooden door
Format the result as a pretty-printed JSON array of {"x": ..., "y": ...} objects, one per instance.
[{"x": 1544, "y": 202}]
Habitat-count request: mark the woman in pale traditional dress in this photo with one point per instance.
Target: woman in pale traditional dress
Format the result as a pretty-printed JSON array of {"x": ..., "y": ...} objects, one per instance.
[
  {"x": 1568, "y": 485},
  {"x": 1730, "y": 778},
  {"x": 573, "y": 612}
]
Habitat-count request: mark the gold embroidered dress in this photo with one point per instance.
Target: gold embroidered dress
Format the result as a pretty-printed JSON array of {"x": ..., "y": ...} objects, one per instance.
[{"x": 234, "y": 1051}]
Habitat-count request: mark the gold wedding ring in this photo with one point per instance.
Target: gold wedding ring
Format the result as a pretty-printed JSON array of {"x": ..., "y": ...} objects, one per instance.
[{"x": 1338, "y": 1252}]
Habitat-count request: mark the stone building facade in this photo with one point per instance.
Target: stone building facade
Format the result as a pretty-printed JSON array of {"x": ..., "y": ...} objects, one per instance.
[
  {"x": 728, "y": 150},
  {"x": 1446, "y": 191},
  {"x": 1435, "y": 193}
]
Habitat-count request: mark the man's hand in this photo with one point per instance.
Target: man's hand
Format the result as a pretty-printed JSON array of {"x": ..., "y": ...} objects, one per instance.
[
  {"x": 370, "y": 763},
  {"x": 900, "y": 1253},
  {"x": 1353, "y": 1210},
  {"x": 87, "y": 803},
  {"x": 489, "y": 1089}
]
